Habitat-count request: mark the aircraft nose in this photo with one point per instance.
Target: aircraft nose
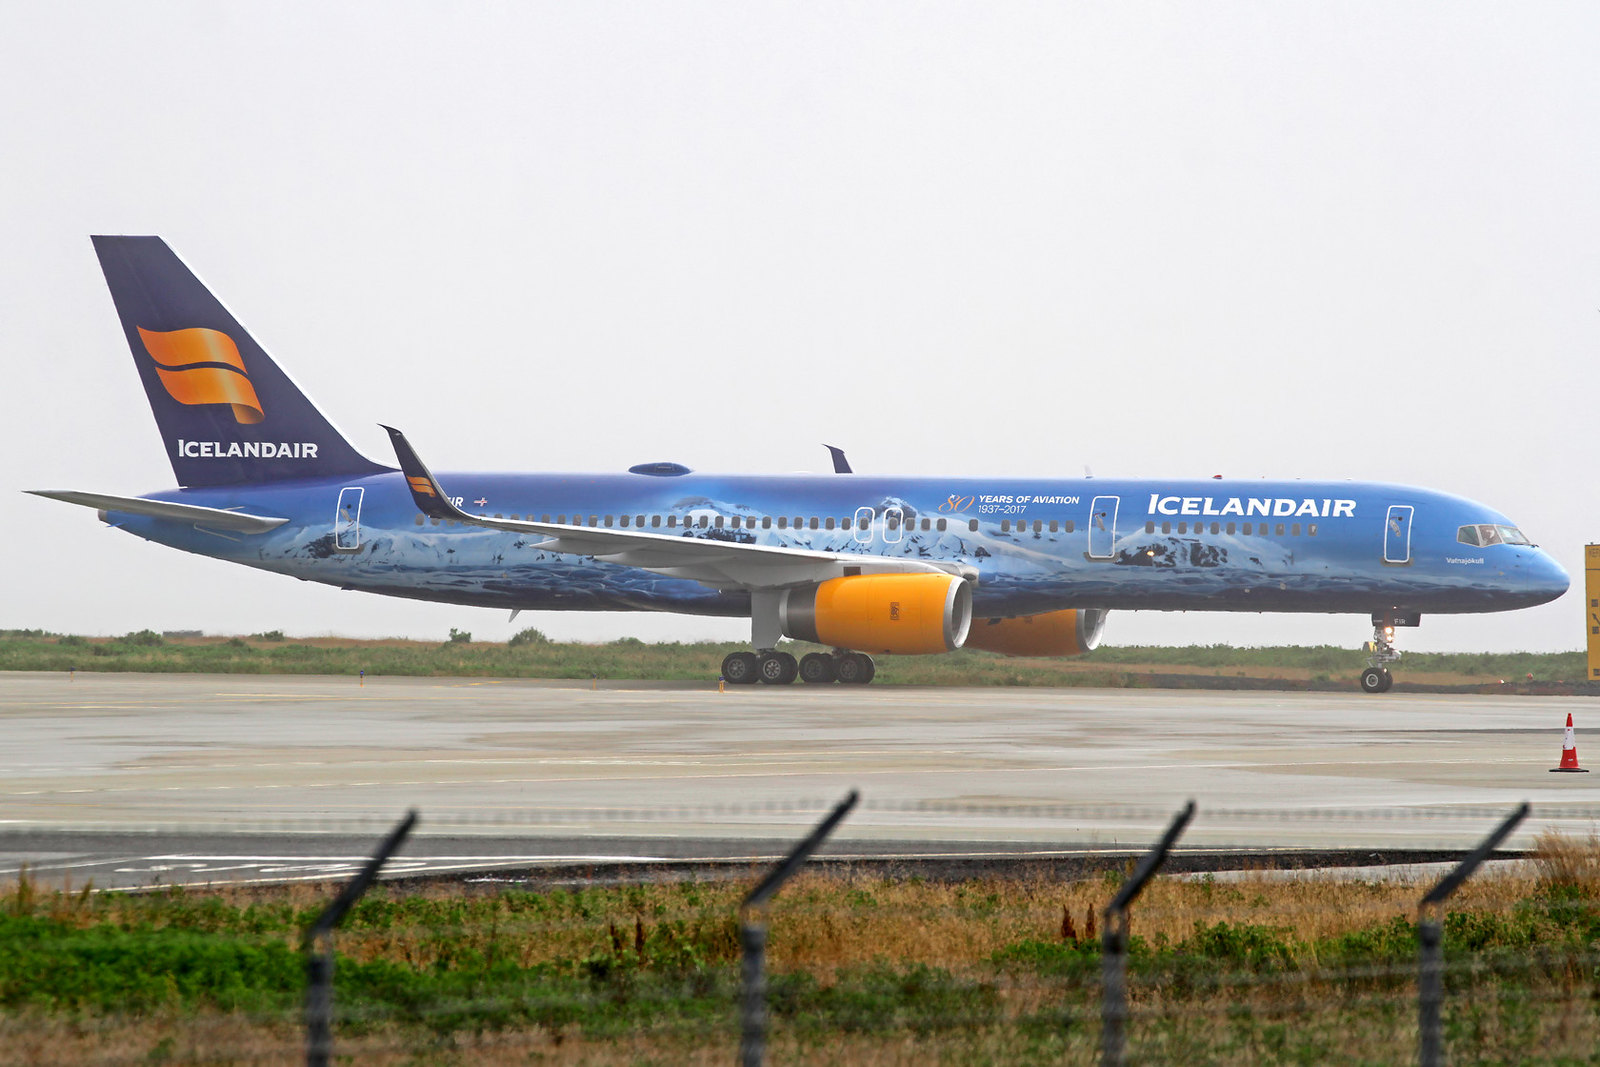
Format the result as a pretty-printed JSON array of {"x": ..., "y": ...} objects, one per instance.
[{"x": 1546, "y": 578}]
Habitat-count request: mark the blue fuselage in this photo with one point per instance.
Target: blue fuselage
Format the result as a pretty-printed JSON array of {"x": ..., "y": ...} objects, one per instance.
[{"x": 1035, "y": 545}]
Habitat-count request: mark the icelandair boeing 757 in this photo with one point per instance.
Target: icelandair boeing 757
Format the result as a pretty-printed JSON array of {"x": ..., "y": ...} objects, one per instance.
[{"x": 858, "y": 563}]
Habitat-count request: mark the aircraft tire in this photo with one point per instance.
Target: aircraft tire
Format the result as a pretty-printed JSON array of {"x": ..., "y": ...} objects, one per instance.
[
  {"x": 1376, "y": 680},
  {"x": 816, "y": 668},
  {"x": 855, "y": 668},
  {"x": 776, "y": 668},
  {"x": 739, "y": 668}
]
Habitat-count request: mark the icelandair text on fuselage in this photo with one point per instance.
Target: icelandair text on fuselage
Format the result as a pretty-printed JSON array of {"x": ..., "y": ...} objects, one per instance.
[
  {"x": 1275, "y": 506},
  {"x": 247, "y": 449}
]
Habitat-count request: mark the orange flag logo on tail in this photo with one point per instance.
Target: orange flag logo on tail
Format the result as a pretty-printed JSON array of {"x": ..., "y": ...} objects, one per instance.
[
  {"x": 200, "y": 366},
  {"x": 422, "y": 485}
]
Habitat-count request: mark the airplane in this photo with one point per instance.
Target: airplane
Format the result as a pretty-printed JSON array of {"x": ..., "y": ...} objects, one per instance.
[{"x": 857, "y": 563}]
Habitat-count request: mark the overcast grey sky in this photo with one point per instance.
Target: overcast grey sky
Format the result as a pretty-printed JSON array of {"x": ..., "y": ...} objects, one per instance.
[{"x": 1293, "y": 240}]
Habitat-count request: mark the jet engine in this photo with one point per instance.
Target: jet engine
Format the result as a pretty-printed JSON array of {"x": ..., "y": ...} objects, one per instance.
[
  {"x": 1055, "y": 633},
  {"x": 909, "y": 614}
]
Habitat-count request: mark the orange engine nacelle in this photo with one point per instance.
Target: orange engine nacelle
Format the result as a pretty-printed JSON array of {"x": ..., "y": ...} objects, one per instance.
[
  {"x": 1055, "y": 633},
  {"x": 910, "y": 614}
]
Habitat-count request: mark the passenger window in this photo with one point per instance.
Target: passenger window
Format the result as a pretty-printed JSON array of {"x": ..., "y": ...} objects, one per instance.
[
  {"x": 500, "y": 516},
  {"x": 942, "y": 525},
  {"x": 703, "y": 519},
  {"x": 1294, "y": 530},
  {"x": 655, "y": 520},
  {"x": 783, "y": 522},
  {"x": 1005, "y": 525},
  {"x": 1166, "y": 527},
  {"x": 1183, "y": 527},
  {"x": 1149, "y": 527},
  {"x": 1215, "y": 529},
  {"x": 1055, "y": 526},
  {"x": 420, "y": 517},
  {"x": 799, "y": 523},
  {"x": 926, "y": 524},
  {"x": 638, "y": 520},
  {"x": 1280, "y": 530},
  {"x": 1247, "y": 529},
  {"x": 1069, "y": 525},
  {"x": 972, "y": 524},
  {"x": 1230, "y": 529},
  {"x": 1038, "y": 527},
  {"x": 672, "y": 522},
  {"x": 435, "y": 521},
  {"x": 1311, "y": 530},
  {"x": 828, "y": 525},
  {"x": 719, "y": 522},
  {"x": 766, "y": 522},
  {"x": 544, "y": 518},
  {"x": 624, "y": 521},
  {"x": 608, "y": 520},
  {"x": 594, "y": 520}
]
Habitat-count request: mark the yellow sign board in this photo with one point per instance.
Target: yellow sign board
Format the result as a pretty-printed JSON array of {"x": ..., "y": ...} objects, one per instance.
[{"x": 1591, "y": 592}]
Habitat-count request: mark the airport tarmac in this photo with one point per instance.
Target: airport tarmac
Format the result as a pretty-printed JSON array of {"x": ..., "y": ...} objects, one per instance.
[{"x": 675, "y": 770}]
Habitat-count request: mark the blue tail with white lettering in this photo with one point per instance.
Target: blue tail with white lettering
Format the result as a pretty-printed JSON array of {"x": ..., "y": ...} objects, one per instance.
[{"x": 228, "y": 415}]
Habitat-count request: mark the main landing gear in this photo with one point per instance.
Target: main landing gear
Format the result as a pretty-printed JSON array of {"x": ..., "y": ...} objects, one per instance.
[
  {"x": 1376, "y": 678},
  {"x": 772, "y": 667}
]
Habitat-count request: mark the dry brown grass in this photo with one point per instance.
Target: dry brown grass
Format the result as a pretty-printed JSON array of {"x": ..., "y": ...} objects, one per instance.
[{"x": 1564, "y": 862}]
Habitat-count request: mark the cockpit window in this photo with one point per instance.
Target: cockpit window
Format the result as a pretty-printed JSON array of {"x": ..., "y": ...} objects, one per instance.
[{"x": 1485, "y": 534}]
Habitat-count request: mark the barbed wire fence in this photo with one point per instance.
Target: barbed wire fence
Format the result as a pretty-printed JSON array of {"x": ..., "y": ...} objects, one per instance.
[{"x": 1254, "y": 994}]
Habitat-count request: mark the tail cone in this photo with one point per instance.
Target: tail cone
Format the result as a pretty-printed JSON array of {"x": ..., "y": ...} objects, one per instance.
[{"x": 1569, "y": 752}]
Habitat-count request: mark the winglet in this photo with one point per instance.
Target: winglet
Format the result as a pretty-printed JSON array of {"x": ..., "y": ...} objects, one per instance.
[
  {"x": 425, "y": 489},
  {"x": 840, "y": 464}
]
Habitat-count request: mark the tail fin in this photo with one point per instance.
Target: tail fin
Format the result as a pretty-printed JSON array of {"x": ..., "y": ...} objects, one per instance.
[{"x": 227, "y": 414}]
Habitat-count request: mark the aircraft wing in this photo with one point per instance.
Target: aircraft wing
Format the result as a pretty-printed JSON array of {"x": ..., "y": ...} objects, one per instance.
[
  {"x": 719, "y": 564},
  {"x": 208, "y": 518}
]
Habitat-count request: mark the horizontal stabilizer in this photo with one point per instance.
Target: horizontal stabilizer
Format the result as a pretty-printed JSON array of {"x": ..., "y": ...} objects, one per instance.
[{"x": 210, "y": 518}]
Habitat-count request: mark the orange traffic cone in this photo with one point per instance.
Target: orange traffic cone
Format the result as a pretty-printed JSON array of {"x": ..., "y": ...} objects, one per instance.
[{"x": 1569, "y": 752}]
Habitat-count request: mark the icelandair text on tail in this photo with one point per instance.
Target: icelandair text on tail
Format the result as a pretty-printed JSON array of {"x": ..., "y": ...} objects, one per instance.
[{"x": 247, "y": 449}]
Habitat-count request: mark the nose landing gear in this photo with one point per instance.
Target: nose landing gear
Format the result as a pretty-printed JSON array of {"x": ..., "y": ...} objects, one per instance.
[{"x": 1381, "y": 651}]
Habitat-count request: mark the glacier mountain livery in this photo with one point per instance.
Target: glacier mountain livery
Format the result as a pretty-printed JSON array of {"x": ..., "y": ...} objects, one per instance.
[{"x": 860, "y": 563}]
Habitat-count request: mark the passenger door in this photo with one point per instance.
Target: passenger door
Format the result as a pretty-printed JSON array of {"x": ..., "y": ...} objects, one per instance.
[
  {"x": 347, "y": 520},
  {"x": 1397, "y": 534},
  {"x": 1103, "y": 526}
]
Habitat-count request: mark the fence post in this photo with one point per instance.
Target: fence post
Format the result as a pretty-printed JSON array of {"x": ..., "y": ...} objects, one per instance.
[
  {"x": 753, "y": 937},
  {"x": 1114, "y": 943},
  {"x": 318, "y": 947},
  {"x": 1430, "y": 942}
]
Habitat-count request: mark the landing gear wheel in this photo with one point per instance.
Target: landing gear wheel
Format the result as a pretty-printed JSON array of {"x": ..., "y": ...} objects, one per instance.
[
  {"x": 816, "y": 668},
  {"x": 855, "y": 668},
  {"x": 739, "y": 668},
  {"x": 1376, "y": 680},
  {"x": 776, "y": 668}
]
